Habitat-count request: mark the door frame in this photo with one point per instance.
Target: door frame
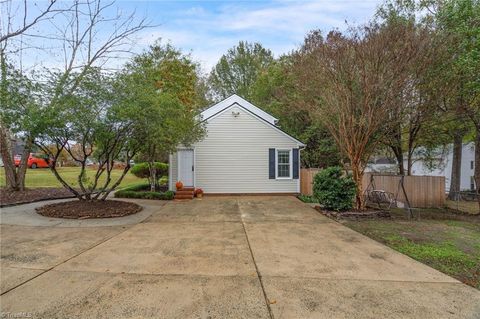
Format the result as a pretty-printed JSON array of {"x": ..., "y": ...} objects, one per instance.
[{"x": 194, "y": 163}]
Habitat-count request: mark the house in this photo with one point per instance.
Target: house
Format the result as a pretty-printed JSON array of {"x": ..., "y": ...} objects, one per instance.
[
  {"x": 440, "y": 166},
  {"x": 444, "y": 167},
  {"x": 244, "y": 151}
]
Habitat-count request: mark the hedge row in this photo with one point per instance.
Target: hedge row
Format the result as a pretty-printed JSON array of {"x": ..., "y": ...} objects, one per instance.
[{"x": 136, "y": 191}]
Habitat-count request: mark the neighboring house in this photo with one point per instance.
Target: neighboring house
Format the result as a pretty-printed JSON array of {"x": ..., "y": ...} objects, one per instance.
[
  {"x": 382, "y": 165},
  {"x": 243, "y": 152},
  {"x": 441, "y": 167},
  {"x": 444, "y": 167}
]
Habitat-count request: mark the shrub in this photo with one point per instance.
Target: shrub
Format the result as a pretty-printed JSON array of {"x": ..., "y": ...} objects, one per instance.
[
  {"x": 137, "y": 191},
  {"x": 141, "y": 170},
  {"x": 136, "y": 187},
  {"x": 334, "y": 191}
]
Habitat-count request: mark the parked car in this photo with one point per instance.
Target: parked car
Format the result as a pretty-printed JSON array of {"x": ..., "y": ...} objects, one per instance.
[{"x": 34, "y": 160}]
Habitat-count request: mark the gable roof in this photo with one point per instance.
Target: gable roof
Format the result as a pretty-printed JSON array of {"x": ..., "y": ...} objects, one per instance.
[{"x": 236, "y": 100}]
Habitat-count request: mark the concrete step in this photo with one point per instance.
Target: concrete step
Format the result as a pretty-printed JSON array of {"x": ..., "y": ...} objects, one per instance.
[
  {"x": 183, "y": 196},
  {"x": 184, "y": 192}
]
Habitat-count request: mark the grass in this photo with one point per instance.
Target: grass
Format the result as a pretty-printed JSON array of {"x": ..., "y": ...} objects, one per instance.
[
  {"x": 441, "y": 239},
  {"x": 307, "y": 198},
  {"x": 43, "y": 177},
  {"x": 470, "y": 207}
]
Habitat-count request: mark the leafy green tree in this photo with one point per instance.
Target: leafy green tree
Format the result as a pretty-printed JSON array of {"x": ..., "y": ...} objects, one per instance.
[
  {"x": 160, "y": 88},
  {"x": 76, "y": 24},
  {"x": 455, "y": 76},
  {"x": 20, "y": 119},
  {"x": 238, "y": 69},
  {"x": 89, "y": 124},
  {"x": 415, "y": 119},
  {"x": 275, "y": 92}
]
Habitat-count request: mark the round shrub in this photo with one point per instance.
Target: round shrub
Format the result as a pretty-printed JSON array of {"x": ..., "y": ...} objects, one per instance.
[
  {"x": 141, "y": 170},
  {"x": 333, "y": 190}
]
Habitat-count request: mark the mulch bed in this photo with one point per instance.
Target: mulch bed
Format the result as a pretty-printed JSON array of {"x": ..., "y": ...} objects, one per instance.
[
  {"x": 32, "y": 195},
  {"x": 89, "y": 209},
  {"x": 355, "y": 215}
]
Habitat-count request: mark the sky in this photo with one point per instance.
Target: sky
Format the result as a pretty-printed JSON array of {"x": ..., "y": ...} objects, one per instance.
[
  {"x": 207, "y": 29},
  {"x": 210, "y": 28}
]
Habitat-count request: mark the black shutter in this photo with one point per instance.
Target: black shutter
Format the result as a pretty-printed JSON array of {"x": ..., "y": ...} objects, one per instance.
[
  {"x": 271, "y": 163},
  {"x": 296, "y": 164}
]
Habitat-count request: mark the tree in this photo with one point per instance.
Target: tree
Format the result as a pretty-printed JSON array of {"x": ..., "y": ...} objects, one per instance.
[
  {"x": 161, "y": 87},
  {"x": 9, "y": 29},
  {"x": 415, "y": 116},
  {"x": 238, "y": 69},
  {"x": 356, "y": 78},
  {"x": 90, "y": 123},
  {"x": 100, "y": 129},
  {"x": 81, "y": 48},
  {"x": 459, "y": 29},
  {"x": 275, "y": 91},
  {"x": 17, "y": 112}
]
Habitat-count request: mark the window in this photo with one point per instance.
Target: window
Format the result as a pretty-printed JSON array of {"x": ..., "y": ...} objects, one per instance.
[
  {"x": 284, "y": 163},
  {"x": 471, "y": 164}
]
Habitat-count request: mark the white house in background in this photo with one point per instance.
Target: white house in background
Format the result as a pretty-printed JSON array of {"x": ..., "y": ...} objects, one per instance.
[
  {"x": 443, "y": 167},
  {"x": 244, "y": 151},
  {"x": 467, "y": 181}
]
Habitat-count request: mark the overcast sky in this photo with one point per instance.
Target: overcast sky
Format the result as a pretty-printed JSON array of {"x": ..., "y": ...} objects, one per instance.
[{"x": 208, "y": 28}]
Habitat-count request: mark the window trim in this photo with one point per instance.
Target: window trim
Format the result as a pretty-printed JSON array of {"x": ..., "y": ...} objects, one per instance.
[{"x": 290, "y": 163}]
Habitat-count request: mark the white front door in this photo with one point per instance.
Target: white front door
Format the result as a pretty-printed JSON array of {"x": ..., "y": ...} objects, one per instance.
[{"x": 185, "y": 166}]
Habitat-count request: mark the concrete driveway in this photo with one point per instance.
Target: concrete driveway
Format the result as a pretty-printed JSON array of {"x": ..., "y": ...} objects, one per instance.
[{"x": 220, "y": 257}]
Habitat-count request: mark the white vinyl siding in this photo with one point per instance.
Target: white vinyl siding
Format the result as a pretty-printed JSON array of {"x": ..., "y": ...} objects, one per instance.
[{"x": 233, "y": 157}]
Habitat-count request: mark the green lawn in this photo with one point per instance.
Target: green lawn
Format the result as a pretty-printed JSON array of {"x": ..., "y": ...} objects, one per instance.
[
  {"x": 43, "y": 177},
  {"x": 470, "y": 207},
  {"x": 440, "y": 239}
]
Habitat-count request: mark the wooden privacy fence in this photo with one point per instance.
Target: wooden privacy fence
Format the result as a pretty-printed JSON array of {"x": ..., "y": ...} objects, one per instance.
[
  {"x": 422, "y": 191},
  {"x": 306, "y": 180}
]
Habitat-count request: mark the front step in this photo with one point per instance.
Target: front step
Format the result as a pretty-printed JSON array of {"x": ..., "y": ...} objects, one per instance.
[{"x": 185, "y": 193}]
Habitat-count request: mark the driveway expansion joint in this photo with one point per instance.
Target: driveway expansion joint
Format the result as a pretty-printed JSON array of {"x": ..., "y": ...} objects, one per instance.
[
  {"x": 66, "y": 260},
  {"x": 267, "y": 301}
]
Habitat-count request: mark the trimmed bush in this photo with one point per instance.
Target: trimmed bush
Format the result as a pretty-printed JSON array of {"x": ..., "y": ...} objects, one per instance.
[
  {"x": 137, "y": 191},
  {"x": 136, "y": 188},
  {"x": 333, "y": 190},
  {"x": 141, "y": 170}
]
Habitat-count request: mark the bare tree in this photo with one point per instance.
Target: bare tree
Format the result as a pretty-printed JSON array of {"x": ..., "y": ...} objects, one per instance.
[
  {"x": 10, "y": 28},
  {"x": 356, "y": 77}
]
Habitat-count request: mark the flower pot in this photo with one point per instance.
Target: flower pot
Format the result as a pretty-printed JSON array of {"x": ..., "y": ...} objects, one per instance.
[{"x": 200, "y": 195}]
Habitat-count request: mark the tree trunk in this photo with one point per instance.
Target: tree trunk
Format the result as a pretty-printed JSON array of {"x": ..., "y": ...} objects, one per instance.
[
  {"x": 397, "y": 149},
  {"x": 477, "y": 167},
  {"x": 22, "y": 168},
  {"x": 456, "y": 166},
  {"x": 357, "y": 175},
  {"x": 7, "y": 158},
  {"x": 409, "y": 163},
  {"x": 153, "y": 176}
]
